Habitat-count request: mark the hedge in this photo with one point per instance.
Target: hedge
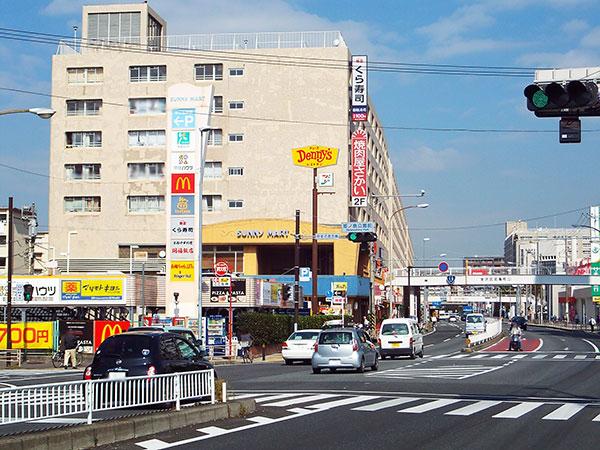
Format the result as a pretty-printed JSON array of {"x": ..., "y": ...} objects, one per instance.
[{"x": 275, "y": 328}]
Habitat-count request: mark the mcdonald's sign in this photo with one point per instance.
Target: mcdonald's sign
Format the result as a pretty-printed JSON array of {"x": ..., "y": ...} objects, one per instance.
[
  {"x": 182, "y": 183},
  {"x": 106, "y": 328}
]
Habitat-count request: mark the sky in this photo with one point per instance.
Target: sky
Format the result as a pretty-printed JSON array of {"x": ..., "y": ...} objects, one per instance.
[{"x": 474, "y": 180}]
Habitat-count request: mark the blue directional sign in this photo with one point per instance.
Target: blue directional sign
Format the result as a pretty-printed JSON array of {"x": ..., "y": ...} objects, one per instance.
[
  {"x": 183, "y": 118},
  {"x": 467, "y": 308},
  {"x": 450, "y": 279},
  {"x": 358, "y": 227}
]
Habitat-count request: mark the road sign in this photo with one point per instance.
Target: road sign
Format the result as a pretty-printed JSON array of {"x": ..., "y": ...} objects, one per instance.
[
  {"x": 326, "y": 236},
  {"x": 337, "y": 300},
  {"x": 183, "y": 118},
  {"x": 359, "y": 227},
  {"x": 467, "y": 308},
  {"x": 305, "y": 274},
  {"x": 450, "y": 279},
  {"x": 443, "y": 266},
  {"x": 221, "y": 268}
]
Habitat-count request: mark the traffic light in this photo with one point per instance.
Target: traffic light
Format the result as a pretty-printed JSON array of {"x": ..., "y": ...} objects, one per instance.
[
  {"x": 571, "y": 99},
  {"x": 286, "y": 293},
  {"x": 27, "y": 292},
  {"x": 362, "y": 237}
]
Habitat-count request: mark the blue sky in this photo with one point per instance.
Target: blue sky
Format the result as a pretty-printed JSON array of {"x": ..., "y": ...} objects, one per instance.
[{"x": 471, "y": 179}]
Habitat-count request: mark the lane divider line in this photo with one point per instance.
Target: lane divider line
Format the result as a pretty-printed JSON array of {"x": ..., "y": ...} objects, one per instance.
[{"x": 593, "y": 345}]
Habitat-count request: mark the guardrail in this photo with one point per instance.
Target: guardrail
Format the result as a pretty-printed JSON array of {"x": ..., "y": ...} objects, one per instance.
[
  {"x": 27, "y": 403},
  {"x": 493, "y": 329}
]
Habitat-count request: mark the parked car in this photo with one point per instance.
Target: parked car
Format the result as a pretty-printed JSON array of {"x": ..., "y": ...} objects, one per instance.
[
  {"x": 521, "y": 321},
  {"x": 340, "y": 348},
  {"x": 400, "y": 337},
  {"x": 139, "y": 353},
  {"x": 300, "y": 346},
  {"x": 476, "y": 324},
  {"x": 336, "y": 323},
  {"x": 181, "y": 331}
]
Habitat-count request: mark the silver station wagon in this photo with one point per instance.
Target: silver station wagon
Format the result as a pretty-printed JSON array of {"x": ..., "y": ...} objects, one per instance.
[{"x": 344, "y": 348}]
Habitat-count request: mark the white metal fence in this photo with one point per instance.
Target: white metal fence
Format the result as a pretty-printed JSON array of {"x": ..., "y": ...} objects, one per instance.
[
  {"x": 492, "y": 329},
  {"x": 27, "y": 403}
]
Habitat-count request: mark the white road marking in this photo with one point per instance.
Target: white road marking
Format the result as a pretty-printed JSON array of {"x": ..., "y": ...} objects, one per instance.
[
  {"x": 482, "y": 355},
  {"x": 386, "y": 404},
  {"x": 597, "y": 357},
  {"x": 580, "y": 356},
  {"x": 272, "y": 398},
  {"x": 519, "y": 357},
  {"x": 429, "y": 406},
  {"x": 446, "y": 340},
  {"x": 596, "y": 350},
  {"x": 498, "y": 356},
  {"x": 462, "y": 355},
  {"x": 565, "y": 412},
  {"x": 213, "y": 431},
  {"x": 518, "y": 410},
  {"x": 297, "y": 401},
  {"x": 539, "y": 356},
  {"x": 559, "y": 356},
  {"x": 343, "y": 402},
  {"x": 153, "y": 444},
  {"x": 260, "y": 419},
  {"x": 539, "y": 346},
  {"x": 428, "y": 345},
  {"x": 474, "y": 408}
]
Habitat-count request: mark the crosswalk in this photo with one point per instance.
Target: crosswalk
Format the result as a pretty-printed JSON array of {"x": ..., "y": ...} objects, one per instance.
[
  {"x": 454, "y": 372},
  {"x": 299, "y": 402},
  {"x": 535, "y": 356}
]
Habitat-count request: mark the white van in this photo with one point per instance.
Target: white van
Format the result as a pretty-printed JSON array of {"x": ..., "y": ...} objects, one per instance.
[
  {"x": 475, "y": 324},
  {"x": 400, "y": 337}
]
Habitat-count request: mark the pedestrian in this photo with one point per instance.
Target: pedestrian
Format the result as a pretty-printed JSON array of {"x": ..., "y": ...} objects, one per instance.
[
  {"x": 592, "y": 323},
  {"x": 69, "y": 344},
  {"x": 365, "y": 323}
]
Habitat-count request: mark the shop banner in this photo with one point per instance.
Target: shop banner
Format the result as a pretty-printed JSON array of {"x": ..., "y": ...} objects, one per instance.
[
  {"x": 30, "y": 335},
  {"x": 359, "y": 99},
  {"x": 220, "y": 294},
  {"x": 358, "y": 188},
  {"x": 107, "y": 328},
  {"x": 92, "y": 289},
  {"x": 83, "y": 330}
]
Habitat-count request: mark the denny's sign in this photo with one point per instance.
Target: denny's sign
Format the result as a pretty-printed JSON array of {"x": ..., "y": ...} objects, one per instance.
[{"x": 315, "y": 156}]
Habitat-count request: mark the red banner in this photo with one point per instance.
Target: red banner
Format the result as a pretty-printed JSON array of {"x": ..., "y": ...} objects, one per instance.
[
  {"x": 107, "y": 328},
  {"x": 359, "y": 169}
]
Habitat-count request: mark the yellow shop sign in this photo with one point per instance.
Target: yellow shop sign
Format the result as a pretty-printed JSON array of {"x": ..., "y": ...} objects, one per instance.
[{"x": 315, "y": 156}]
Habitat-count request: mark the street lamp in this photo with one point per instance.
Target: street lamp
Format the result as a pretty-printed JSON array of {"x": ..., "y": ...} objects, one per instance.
[
  {"x": 131, "y": 247},
  {"x": 586, "y": 226},
  {"x": 71, "y": 233},
  {"x": 425, "y": 239},
  {"x": 44, "y": 113},
  {"x": 202, "y": 130},
  {"x": 390, "y": 252}
]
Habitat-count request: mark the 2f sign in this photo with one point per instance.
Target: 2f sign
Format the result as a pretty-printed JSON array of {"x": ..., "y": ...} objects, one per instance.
[{"x": 359, "y": 202}]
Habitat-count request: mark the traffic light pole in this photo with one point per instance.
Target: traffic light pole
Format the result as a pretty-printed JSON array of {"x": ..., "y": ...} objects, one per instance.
[
  {"x": 297, "y": 268},
  {"x": 9, "y": 277}
]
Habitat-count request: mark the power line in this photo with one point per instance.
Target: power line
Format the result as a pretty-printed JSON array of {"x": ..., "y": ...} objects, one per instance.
[
  {"x": 265, "y": 58},
  {"x": 328, "y": 124}
]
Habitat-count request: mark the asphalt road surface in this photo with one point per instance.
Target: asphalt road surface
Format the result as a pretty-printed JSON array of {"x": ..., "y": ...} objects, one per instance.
[{"x": 548, "y": 398}]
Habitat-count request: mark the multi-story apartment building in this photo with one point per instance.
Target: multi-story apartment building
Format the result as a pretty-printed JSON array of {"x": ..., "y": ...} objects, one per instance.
[
  {"x": 21, "y": 242},
  {"x": 272, "y": 92}
]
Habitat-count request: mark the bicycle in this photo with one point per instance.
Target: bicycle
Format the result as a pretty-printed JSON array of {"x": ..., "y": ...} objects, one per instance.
[
  {"x": 58, "y": 357},
  {"x": 246, "y": 353}
]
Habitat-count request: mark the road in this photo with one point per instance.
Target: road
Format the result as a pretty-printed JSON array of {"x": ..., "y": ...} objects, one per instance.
[{"x": 548, "y": 398}]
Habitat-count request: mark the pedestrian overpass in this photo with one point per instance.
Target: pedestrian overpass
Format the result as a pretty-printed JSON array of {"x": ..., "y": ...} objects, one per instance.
[{"x": 489, "y": 276}]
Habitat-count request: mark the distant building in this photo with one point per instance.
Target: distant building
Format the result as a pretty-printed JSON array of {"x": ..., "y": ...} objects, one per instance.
[{"x": 21, "y": 242}]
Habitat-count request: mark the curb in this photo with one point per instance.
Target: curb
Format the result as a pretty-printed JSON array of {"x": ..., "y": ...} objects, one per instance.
[
  {"x": 558, "y": 327},
  {"x": 485, "y": 343},
  {"x": 80, "y": 437}
]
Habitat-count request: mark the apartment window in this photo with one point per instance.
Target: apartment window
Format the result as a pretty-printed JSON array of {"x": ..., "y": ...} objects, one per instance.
[
  {"x": 215, "y": 137},
  {"x": 145, "y": 203},
  {"x": 83, "y": 107},
  {"x": 122, "y": 27},
  {"x": 82, "y": 171},
  {"x": 236, "y": 204},
  {"x": 213, "y": 169},
  {"x": 85, "y": 75},
  {"x": 217, "y": 105},
  {"x": 147, "y": 106},
  {"x": 145, "y": 171},
  {"x": 237, "y": 104},
  {"x": 237, "y": 137},
  {"x": 211, "y": 202},
  {"x": 82, "y": 204},
  {"x": 236, "y": 72},
  {"x": 236, "y": 171},
  {"x": 209, "y": 72},
  {"x": 2, "y": 239},
  {"x": 3, "y": 262},
  {"x": 146, "y": 74},
  {"x": 84, "y": 139},
  {"x": 147, "y": 138}
]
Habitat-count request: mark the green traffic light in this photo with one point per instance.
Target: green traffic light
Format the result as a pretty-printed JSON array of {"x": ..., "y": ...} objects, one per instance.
[
  {"x": 353, "y": 236},
  {"x": 539, "y": 99}
]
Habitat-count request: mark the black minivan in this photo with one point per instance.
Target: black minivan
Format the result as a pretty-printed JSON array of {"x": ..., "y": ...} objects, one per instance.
[{"x": 144, "y": 353}]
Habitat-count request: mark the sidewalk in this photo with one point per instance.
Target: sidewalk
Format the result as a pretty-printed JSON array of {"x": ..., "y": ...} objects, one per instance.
[{"x": 566, "y": 326}]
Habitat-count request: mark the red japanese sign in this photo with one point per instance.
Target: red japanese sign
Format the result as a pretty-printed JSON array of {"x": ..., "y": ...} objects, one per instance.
[
  {"x": 359, "y": 169},
  {"x": 107, "y": 328},
  {"x": 221, "y": 268}
]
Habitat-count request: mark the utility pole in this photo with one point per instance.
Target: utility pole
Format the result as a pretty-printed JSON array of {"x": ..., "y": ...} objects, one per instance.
[
  {"x": 297, "y": 268},
  {"x": 9, "y": 275},
  {"x": 314, "y": 304}
]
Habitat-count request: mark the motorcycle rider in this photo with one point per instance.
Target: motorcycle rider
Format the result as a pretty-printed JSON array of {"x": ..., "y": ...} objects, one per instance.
[{"x": 515, "y": 336}]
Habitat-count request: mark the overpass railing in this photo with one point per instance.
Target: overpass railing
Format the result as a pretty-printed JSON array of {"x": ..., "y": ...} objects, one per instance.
[
  {"x": 44, "y": 401},
  {"x": 474, "y": 271}
]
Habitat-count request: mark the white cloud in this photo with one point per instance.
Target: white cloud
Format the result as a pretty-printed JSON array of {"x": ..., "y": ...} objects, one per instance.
[
  {"x": 592, "y": 39},
  {"x": 426, "y": 159},
  {"x": 464, "y": 19}
]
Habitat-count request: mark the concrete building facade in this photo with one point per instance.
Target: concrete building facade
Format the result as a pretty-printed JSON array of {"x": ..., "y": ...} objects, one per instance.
[{"x": 272, "y": 92}]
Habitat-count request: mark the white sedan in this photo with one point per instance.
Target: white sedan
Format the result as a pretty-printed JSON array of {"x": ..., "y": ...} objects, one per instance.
[{"x": 299, "y": 346}]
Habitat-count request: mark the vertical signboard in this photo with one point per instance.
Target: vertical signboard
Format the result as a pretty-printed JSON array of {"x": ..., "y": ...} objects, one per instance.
[
  {"x": 188, "y": 109},
  {"x": 359, "y": 88},
  {"x": 358, "y": 188},
  {"x": 595, "y": 249}
]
